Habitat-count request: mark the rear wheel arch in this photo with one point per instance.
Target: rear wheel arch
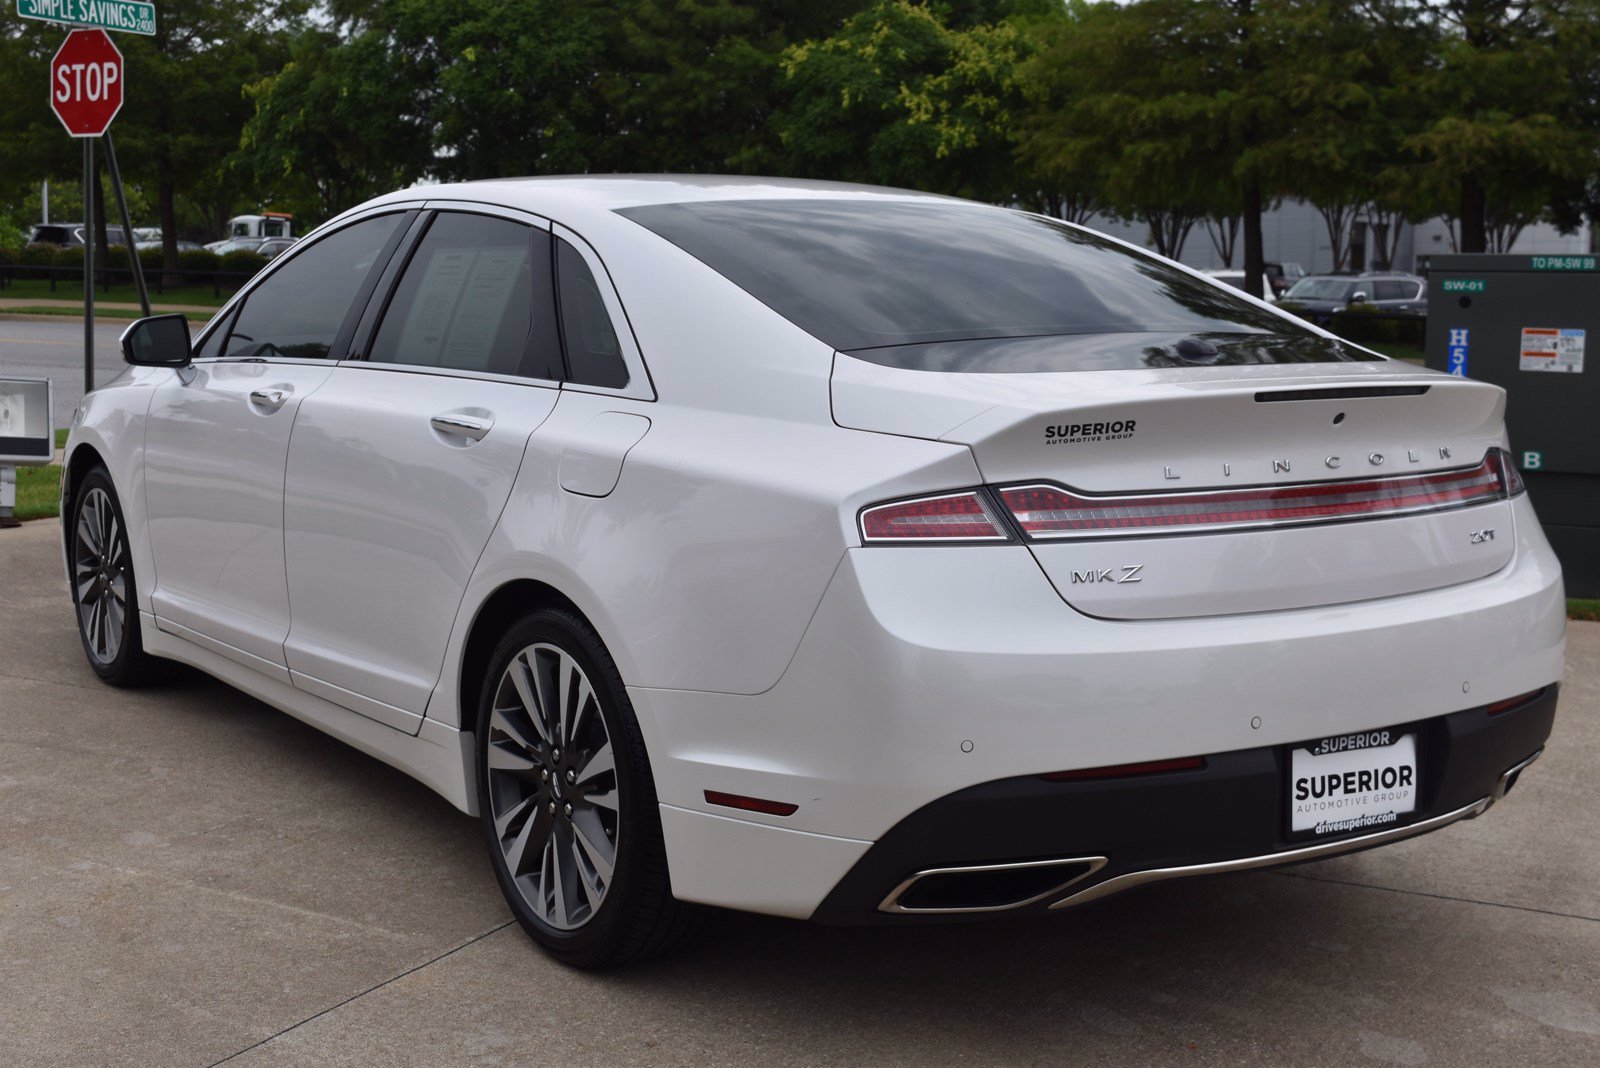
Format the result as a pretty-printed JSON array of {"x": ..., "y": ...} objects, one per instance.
[{"x": 494, "y": 617}]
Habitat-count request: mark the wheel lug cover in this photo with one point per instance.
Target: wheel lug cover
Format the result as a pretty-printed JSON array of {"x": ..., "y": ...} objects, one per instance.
[
  {"x": 572, "y": 776},
  {"x": 544, "y": 773},
  {"x": 556, "y": 756},
  {"x": 568, "y": 810},
  {"x": 552, "y": 808}
]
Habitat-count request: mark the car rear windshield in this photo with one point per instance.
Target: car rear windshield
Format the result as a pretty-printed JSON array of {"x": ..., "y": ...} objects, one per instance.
[{"x": 867, "y": 274}]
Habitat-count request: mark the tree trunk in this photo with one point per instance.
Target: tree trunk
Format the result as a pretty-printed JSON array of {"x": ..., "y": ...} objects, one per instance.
[
  {"x": 1255, "y": 267},
  {"x": 169, "y": 228},
  {"x": 102, "y": 245},
  {"x": 1474, "y": 231}
]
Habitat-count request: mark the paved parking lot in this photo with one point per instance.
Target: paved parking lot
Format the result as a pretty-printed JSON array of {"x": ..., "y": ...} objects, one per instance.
[{"x": 188, "y": 877}]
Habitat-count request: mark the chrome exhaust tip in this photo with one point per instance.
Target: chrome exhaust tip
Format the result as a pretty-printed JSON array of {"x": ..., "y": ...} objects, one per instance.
[{"x": 987, "y": 887}]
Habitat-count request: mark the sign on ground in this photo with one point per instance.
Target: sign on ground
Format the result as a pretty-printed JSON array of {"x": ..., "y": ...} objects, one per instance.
[{"x": 126, "y": 16}]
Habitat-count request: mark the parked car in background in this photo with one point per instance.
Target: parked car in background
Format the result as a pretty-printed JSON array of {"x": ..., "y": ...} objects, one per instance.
[
  {"x": 268, "y": 247},
  {"x": 183, "y": 246},
  {"x": 70, "y": 235},
  {"x": 1280, "y": 276},
  {"x": 1319, "y": 297},
  {"x": 1234, "y": 277}
]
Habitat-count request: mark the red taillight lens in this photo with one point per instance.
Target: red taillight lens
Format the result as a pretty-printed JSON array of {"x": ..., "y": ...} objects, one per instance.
[
  {"x": 1115, "y": 771},
  {"x": 951, "y": 517},
  {"x": 1508, "y": 472},
  {"x": 1049, "y": 512}
]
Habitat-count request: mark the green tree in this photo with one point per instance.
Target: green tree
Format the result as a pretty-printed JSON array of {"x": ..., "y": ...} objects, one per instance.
[
  {"x": 1509, "y": 99},
  {"x": 898, "y": 96}
]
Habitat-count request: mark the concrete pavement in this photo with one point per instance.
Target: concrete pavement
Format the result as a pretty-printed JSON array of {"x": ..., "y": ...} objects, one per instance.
[{"x": 188, "y": 877}]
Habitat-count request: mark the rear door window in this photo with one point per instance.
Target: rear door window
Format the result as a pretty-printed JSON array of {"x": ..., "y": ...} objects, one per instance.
[
  {"x": 594, "y": 354},
  {"x": 298, "y": 310},
  {"x": 476, "y": 295}
]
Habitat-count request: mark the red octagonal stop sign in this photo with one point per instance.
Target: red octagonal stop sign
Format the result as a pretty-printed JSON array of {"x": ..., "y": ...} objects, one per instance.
[{"x": 86, "y": 83}]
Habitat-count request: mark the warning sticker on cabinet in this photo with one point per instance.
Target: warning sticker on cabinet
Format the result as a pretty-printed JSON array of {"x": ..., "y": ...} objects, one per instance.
[{"x": 1548, "y": 349}]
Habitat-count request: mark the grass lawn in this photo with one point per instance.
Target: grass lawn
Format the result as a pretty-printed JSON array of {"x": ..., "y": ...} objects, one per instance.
[
  {"x": 1580, "y": 608},
  {"x": 38, "y": 492},
  {"x": 39, "y": 289}
]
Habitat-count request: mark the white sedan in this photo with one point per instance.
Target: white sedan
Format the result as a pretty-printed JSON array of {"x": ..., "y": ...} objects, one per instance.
[{"x": 824, "y": 551}]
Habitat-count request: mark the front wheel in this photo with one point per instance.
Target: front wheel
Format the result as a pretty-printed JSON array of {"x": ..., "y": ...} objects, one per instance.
[
  {"x": 100, "y": 566},
  {"x": 567, "y": 801}
]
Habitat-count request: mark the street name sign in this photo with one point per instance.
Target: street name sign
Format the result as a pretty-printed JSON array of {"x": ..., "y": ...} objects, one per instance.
[
  {"x": 86, "y": 83},
  {"x": 124, "y": 16}
]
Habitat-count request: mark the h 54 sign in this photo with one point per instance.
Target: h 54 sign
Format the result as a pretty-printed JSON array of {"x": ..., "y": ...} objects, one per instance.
[
  {"x": 86, "y": 83},
  {"x": 128, "y": 16}
]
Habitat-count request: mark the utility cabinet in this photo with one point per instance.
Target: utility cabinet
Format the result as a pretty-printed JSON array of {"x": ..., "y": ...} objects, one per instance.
[{"x": 1531, "y": 324}]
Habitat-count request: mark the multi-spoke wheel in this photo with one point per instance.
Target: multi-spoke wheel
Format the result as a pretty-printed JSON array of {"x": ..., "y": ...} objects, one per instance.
[
  {"x": 566, "y": 799},
  {"x": 102, "y": 582},
  {"x": 553, "y": 786}
]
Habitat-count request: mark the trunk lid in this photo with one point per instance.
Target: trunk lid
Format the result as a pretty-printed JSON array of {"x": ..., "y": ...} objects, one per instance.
[{"x": 1165, "y": 430}]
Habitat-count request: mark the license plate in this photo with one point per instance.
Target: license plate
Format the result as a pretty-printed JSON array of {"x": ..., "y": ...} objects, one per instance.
[{"x": 1352, "y": 782}]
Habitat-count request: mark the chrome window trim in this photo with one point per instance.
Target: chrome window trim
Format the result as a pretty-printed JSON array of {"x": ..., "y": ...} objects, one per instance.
[
  {"x": 452, "y": 372},
  {"x": 891, "y": 903},
  {"x": 640, "y": 386},
  {"x": 338, "y": 222},
  {"x": 1119, "y": 883}
]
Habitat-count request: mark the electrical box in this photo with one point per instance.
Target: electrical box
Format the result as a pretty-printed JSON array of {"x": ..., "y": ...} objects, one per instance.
[
  {"x": 1531, "y": 324},
  {"x": 26, "y": 434}
]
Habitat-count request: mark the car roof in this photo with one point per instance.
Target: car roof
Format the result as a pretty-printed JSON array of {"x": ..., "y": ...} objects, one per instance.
[{"x": 576, "y": 196}]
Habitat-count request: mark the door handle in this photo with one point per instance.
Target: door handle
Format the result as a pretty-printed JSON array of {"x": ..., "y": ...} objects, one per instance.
[
  {"x": 462, "y": 426},
  {"x": 270, "y": 399}
]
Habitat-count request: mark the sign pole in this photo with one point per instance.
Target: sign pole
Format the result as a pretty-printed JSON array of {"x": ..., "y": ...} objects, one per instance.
[
  {"x": 88, "y": 267},
  {"x": 127, "y": 227}
]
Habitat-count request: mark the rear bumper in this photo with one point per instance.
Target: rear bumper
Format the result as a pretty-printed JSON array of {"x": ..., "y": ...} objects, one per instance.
[
  {"x": 926, "y": 674},
  {"x": 1122, "y": 833}
]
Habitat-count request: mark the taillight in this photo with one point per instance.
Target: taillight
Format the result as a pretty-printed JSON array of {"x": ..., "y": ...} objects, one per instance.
[
  {"x": 1509, "y": 475},
  {"x": 1049, "y": 512},
  {"x": 949, "y": 517}
]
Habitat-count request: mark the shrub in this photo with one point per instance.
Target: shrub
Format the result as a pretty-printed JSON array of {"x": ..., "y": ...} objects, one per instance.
[
  {"x": 69, "y": 258},
  {"x": 197, "y": 260},
  {"x": 242, "y": 261},
  {"x": 150, "y": 260},
  {"x": 10, "y": 254},
  {"x": 36, "y": 254},
  {"x": 1365, "y": 324}
]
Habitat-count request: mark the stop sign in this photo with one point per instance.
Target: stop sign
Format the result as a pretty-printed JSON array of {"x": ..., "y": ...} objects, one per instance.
[{"x": 86, "y": 82}]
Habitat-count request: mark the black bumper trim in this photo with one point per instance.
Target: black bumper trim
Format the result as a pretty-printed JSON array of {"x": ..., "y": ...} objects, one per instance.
[{"x": 1228, "y": 816}]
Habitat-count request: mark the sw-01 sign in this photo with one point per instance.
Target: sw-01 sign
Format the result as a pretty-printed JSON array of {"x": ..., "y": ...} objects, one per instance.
[{"x": 124, "y": 16}]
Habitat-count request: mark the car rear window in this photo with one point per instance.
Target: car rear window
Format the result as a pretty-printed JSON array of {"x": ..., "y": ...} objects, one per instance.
[{"x": 864, "y": 275}]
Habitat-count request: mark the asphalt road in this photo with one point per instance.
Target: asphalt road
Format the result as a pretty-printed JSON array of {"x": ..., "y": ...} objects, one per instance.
[
  {"x": 188, "y": 877},
  {"x": 38, "y": 348}
]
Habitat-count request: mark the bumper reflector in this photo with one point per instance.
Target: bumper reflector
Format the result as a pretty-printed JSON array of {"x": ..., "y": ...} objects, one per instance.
[
  {"x": 1513, "y": 702},
  {"x": 751, "y": 804}
]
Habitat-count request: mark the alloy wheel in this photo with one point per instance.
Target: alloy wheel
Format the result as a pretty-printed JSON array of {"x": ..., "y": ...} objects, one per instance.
[
  {"x": 553, "y": 787},
  {"x": 100, "y": 574}
]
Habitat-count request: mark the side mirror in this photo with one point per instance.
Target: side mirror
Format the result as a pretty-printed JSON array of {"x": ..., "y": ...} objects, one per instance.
[
  {"x": 1358, "y": 298},
  {"x": 159, "y": 341}
]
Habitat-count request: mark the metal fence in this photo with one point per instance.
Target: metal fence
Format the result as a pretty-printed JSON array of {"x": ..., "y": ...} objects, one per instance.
[{"x": 157, "y": 279}]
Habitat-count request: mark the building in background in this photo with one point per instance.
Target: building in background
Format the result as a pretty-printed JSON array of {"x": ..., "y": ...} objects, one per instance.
[{"x": 1294, "y": 232}]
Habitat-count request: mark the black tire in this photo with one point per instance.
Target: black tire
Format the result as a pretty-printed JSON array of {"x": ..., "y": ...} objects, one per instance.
[
  {"x": 94, "y": 576},
  {"x": 636, "y": 917}
]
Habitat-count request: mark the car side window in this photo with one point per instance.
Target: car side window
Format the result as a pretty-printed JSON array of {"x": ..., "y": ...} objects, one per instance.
[
  {"x": 297, "y": 310},
  {"x": 594, "y": 355},
  {"x": 1391, "y": 291},
  {"x": 476, "y": 296}
]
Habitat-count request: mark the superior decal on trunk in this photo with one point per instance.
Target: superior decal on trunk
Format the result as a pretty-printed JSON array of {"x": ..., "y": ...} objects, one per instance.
[{"x": 1075, "y": 433}]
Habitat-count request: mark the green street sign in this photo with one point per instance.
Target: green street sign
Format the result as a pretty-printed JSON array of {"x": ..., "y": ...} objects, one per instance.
[
  {"x": 126, "y": 16},
  {"x": 1563, "y": 263},
  {"x": 1464, "y": 285}
]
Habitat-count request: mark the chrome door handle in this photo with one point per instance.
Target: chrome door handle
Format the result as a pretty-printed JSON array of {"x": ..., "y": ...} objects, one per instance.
[
  {"x": 270, "y": 399},
  {"x": 463, "y": 426}
]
